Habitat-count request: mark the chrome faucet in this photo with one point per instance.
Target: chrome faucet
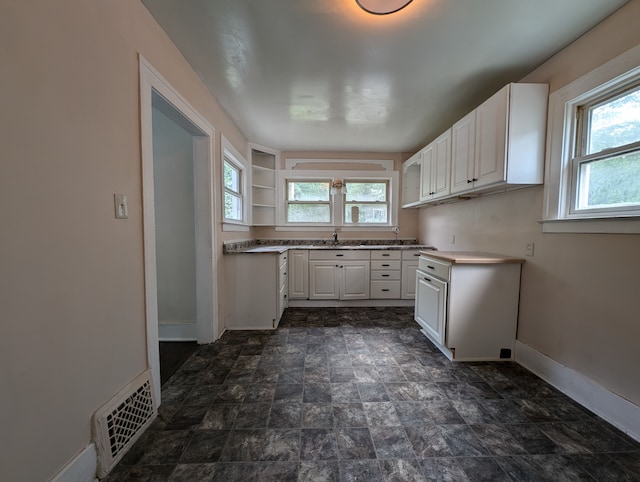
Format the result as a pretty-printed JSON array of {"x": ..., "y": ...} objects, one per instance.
[{"x": 335, "y": 236}]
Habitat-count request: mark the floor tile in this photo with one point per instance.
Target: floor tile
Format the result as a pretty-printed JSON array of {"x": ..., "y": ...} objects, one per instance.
[{"x": 360, "y": 394}]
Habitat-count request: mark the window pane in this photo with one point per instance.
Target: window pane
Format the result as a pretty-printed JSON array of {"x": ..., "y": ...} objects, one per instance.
[
  {"x": 308, "y": 213},
  {"x": 366, "y": 191},
  {"x": 614, "y": 123},
  {"x": 232, "y": 206},
  {"x": 231, "y": 177},
  {"x": 366, "y": 213},
  {"x": 308, "y": 191},
  {"x": 609, "y": 182}
]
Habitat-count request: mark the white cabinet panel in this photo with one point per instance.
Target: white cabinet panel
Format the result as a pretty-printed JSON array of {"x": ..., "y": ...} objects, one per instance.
[
  {"x": 463, "y": 138},
  {"x": 431, "y": 296},
  {"x": 324, "y": 280},
  {"x": 298, "y": 274},
  {"x": 354, "y": 280},
  {"x": 255, "y": 290},
  {"x": 408, "y": 288}
]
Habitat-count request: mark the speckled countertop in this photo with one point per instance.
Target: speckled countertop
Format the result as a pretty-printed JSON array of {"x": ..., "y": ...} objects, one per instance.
[
  {"x": 280, "y": 246},
  {"x": 473, "y": 257}
]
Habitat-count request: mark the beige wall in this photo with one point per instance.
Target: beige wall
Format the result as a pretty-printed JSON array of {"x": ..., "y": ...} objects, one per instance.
[
  {"x": 71, "y": 276},
  {"x": 579, "y": 297}
]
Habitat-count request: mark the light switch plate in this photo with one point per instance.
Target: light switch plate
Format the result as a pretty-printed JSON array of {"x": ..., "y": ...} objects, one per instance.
[
  {"x": 529, "y": 248},
  {"x": 122, "y": 209}
]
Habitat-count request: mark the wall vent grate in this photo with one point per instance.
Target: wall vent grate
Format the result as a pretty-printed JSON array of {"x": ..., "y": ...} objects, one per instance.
[{"x": 120, "y": 422}]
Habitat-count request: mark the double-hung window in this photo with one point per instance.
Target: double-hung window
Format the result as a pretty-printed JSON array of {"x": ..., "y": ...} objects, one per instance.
[
  {"x": 366, "y": 202},
  {"x": 233, "y": 191},
  {"x": 592, "y": 166},
  {"x": 605, "y": 169},
  {"x": 308, "y": 201}
]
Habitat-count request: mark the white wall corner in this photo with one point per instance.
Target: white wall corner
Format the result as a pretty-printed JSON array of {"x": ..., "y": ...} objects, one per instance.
[
  {"x": 616, "y": 410},
  {"x": 82, "y": 468}
]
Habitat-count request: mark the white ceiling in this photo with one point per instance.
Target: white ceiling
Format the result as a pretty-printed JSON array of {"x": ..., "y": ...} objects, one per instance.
[{"x": 324, "y": 75}]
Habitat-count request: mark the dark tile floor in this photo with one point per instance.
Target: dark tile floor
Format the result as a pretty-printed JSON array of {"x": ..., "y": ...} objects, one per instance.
[{"x": 359, "y": 394}]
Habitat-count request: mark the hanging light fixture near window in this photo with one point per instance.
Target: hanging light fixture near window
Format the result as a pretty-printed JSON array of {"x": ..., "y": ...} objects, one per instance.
[
  {"x": 338, "y": 187},
  {"x": 382, "y": 7}
]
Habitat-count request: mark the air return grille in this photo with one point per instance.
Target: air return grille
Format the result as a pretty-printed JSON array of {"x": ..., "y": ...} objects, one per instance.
[{"x": 121, "y": 421}]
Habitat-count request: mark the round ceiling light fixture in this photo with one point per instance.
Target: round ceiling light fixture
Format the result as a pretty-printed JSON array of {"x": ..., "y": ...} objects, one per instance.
[{"x": 382, "y": 7}]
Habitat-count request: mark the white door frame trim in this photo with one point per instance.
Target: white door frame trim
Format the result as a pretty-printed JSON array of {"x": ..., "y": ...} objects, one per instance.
[{"x": 205, "y": 211}]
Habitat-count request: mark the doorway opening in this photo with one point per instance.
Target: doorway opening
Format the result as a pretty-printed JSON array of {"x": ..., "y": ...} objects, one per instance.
[{"x": 179, "y": 210}]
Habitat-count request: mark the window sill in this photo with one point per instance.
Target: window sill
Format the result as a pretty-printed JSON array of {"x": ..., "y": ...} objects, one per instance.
[
  {"x": 630, "y": 225},
  {"x": 226, "y": 226},
  {"x": 331, "y": 227}
]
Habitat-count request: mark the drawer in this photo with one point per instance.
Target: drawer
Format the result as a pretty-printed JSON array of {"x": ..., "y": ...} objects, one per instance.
[
  {"x": 410, "y": 254},
  {"x": 282, "y": 275},
  {"x": 283, "y": 258},
  {"x": 385, "y": 275},
  {"x": 386, "y": 254},
  {"x": 385, "y": 289},
  {"x": 435, "y": 267},
  {"x": 385, "y": 264},
  {"x": 339, "y": 254}
]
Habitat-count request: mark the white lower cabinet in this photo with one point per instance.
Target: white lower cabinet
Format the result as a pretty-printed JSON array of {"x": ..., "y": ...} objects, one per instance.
[
  {"x": 339, "y": 275},
  {"x": 469, "y": 307},
  {"x": 255, "y": 290}
]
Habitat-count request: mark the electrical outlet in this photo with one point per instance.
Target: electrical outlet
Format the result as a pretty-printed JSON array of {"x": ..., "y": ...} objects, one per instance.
[{"x": 528, "y": 251}]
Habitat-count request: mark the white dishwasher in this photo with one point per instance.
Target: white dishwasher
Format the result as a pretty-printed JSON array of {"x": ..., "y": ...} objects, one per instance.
[{"x": 467, "y": 303}]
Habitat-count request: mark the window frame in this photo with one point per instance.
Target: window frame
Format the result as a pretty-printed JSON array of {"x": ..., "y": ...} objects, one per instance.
[
  {"x": 581, "y": 157},
  {"x": 337, "y": 200},
  {"x": 289, "y": 202},
  {"x": 231, "y": 156},
  {"x": 561, "y": 166},
  {"x": 386, "y": 203}
]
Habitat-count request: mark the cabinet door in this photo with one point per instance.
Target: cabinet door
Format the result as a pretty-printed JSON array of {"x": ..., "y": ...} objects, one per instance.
[
  {"x": 431, "y": 296},
  {"x": 324, "y": 280},
  {"x": 354, "y": 277},
  {"x": 299, "y": 274},
  {"x": 441, "y": 165},
  {"x": 408, "y": 288},
  {"x": 463, "y": 136},
  {"x": 426, "y": 183},
  {"x": 491, "y": 136}
]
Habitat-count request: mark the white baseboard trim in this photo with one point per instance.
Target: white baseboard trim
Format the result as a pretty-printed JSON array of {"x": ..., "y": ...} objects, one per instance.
[
  {"x": 82, "y": 468},
  {"x": 613, "y": 408},
  {"x": 177, "y": 331}
]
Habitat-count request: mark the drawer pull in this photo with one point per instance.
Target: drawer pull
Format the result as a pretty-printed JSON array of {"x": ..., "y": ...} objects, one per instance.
[
  {"x": 430, "y": 267},
  {"x": 386, "y": 254},
  {"x": 385, "y": 265},
  {"x": 417, "y": 254},
  {"x": 427, "y": 279},
  {"x": 385, "y": 289},
  {"x": 339, "y": 254},
  {"x": 386, "y": 275}
]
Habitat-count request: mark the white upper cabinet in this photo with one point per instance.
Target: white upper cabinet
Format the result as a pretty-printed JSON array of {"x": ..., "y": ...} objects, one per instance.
[
  {"x": 436, "y": 168},
  {"x": 411, "y": 179},
  {"x": 501, "y": 143}
]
